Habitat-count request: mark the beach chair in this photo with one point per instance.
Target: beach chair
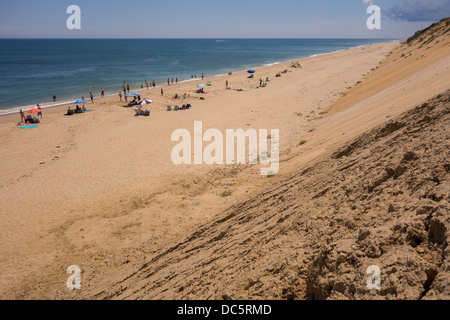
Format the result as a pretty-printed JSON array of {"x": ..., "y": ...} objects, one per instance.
[
  {"x": 137, "y": 112},
  {"x": 176, "y": 108},
  {"x": 169, "y": 108}
]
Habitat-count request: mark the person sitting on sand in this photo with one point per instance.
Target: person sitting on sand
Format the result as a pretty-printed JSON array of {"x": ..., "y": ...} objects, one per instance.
[
  {"x": 84, "y": 108},
  {"x": 28, "y": 119},
  {"x": 141, "y": 112},
  {"x": 36, "y": 119},
  {"x": 176, "y": 96}
]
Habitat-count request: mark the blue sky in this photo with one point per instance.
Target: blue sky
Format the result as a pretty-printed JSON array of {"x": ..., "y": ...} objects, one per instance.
[{"x": 217, "y": 19}]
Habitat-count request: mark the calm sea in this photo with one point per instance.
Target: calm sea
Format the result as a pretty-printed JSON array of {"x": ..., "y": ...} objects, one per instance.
[{"x": 32, "y": 71}]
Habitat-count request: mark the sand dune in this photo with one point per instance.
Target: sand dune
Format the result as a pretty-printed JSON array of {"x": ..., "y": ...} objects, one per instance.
[{"x": 100, "y": 191}]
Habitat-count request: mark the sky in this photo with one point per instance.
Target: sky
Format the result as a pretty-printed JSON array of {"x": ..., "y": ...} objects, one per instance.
[{"x": 218, "y": 19}]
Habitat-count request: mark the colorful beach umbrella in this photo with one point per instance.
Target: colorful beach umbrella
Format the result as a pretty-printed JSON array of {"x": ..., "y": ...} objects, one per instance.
[
  {"x": 251, "y": 71},
  {"x": 35, "y": 110},
  {"x": 79, "y": 101}
]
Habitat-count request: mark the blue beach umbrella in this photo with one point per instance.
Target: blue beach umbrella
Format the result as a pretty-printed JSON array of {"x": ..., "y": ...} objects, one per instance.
[
  {"x": 136, "y": 94},
  {"x": 79, "y": 101},
  {"x": 130, "y": 95},
  {"x": 251, "y": 71},
  {"x": 201, "y": 86}
]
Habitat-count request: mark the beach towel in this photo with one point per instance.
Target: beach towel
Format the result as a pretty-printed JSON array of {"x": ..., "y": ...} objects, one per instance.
[{"x": 28, "y": 127}]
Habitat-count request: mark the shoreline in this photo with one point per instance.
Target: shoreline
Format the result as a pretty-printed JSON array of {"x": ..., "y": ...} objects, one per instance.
[{"x": 48, "y": 105}]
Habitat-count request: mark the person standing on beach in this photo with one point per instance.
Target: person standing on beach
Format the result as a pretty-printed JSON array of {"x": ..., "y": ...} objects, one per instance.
[
  {"x": 128, "y": 88},
  {"x": 203, "y": 75},
  {"x": 40, "y": 111},
  {"x": 162, "y": 91},
  {"x": 120, "y": 95},
  {"x": 176, "y": 80},
  {"x": 92, "y": 96},
  {"x": 168, "y": 81},
  {"x": 171, "y": 80},
  {"x": 146, "y": 83},
  {"x": 226, "y": 84},
  {"x": 154, "y": 84},
  {"x": 22, "y": 116},
  {"x": 103, "y": 92},
  {"x": 54, "y": 98}
]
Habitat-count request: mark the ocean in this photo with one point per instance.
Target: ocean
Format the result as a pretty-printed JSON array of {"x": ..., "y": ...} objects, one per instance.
[{"x": 33, "y": 70}]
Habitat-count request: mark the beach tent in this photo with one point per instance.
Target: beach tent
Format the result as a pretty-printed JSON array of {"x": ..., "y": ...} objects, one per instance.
[{"x": 295, "y": 64}]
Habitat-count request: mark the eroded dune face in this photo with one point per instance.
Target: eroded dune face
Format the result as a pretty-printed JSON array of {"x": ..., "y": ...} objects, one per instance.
[{"x": 381, "y": 200}]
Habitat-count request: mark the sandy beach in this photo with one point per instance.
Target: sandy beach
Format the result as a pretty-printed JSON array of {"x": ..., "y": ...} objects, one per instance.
[{"x": 99, "y": 190}]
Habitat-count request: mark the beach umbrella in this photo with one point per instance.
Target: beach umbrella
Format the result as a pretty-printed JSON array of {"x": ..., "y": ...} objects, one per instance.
[
  {"x": 129, "y": 95},
  {"x": 136, "y": 94},
  {"x": 79, "y": 101},
  {"x": 251, "y": 71},
  {"x": 201, "y": 86},
  {"x": 145, "y": 102},
  {"x": 35, "y": 110}
]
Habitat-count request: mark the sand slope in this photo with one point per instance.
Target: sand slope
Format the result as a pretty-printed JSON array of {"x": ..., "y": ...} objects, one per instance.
[{"x": 381, "y": 200}]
